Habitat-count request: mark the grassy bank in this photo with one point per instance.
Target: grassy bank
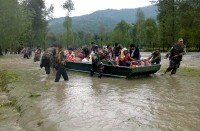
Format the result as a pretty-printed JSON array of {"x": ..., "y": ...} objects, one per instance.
[
  {"x": 20, "y": 92},
  {"x": 184, "y": 71}
]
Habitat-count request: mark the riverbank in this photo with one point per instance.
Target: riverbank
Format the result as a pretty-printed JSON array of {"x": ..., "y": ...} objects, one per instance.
[{"x": 25, "y": 94}]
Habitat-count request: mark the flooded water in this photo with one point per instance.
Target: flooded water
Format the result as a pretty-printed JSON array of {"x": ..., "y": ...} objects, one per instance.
[
  {"x": 153, "y": 103},
  {"x": 157, "y": 102}
]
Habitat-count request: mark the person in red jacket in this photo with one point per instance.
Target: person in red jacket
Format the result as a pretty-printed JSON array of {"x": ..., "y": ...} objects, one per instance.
[{"x": 124, "y": 58}]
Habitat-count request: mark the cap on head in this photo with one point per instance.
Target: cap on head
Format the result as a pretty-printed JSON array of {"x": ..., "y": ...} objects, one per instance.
[{"x": 180, "y": 39}]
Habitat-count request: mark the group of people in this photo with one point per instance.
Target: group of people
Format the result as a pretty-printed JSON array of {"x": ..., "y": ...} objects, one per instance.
[
  {"x": 132, "y": 57},
  {"x": 55, "y": 57},
  {"x": 121, "y": 56},
  {"x": 27, "y": 52}
]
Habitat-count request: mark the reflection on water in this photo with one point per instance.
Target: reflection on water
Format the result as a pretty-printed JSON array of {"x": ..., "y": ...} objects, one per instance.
[{"x": 152, "y": 103}]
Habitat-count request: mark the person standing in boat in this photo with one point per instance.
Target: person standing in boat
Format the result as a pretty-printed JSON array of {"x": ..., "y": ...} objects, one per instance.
[
  {"x": 155, "y": 57},
  {"x": 97, "y": 65},
  {"x": 175, "y": 55},
  {"x": 60, "y": 60}
]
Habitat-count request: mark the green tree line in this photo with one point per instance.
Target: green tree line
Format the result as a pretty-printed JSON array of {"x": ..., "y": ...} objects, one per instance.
[
  {"x": 175, "y": 19},
  {"x": 25, "y": 23}
]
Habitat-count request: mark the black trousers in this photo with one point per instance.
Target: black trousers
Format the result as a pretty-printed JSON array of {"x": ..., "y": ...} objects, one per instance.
[
  {"x": 46, "y": 63},
  {"x": 173, "y": 66},
  {"x": 26, "y": 55},
  {"x": 61, "y": 71},
  {"x": 47, "y": 69}
]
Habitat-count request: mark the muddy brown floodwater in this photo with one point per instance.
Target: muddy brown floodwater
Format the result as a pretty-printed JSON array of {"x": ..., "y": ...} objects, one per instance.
[{"x": 157, "y": 102}]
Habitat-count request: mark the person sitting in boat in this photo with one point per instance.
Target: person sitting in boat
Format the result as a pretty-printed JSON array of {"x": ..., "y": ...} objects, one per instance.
[
  {"x": 105, "y": 53},
  {"x": 86, "y": 53},
  {"x": 134, "y": 52},
  {"x": 79, "y": 55},
  {"x": 93, "y": 47},
  {"x": 70, "y": 55},
  {"x": 124, "y": 58},
  {"x": 97, "y": 65},
  {"x": 116, "y": 51},
  {"x": 109, "y": 53},
  {"x": 155, "y": 57}
]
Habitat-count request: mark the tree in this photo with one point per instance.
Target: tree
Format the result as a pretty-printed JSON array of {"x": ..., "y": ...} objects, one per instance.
[
  {"x": 139, "y": 27},
  {"x": 121, "y": 33},
  {"x": 150, "y": 32},
  {"x": 101, "y": 32},
  {"x": 51, "y": 38},
  {"x": 69, "y": 6},
  {"x": 133, "y": 33},
  {"x": 189, "y": 19},
  {"x": 14, "y": 26},
  {"x": 39, "y": 24},
  {"x": 179, "y": 19}
]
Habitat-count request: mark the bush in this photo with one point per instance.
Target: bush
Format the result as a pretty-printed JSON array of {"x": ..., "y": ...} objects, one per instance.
[
  {"x": 192, "y": 49},
  {"x": 6, "y": 78}
]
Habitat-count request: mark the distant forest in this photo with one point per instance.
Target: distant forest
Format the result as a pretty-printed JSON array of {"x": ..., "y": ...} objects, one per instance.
[
  {"x": 109, "y": 18},
  {"x": 30, "y": 23}
]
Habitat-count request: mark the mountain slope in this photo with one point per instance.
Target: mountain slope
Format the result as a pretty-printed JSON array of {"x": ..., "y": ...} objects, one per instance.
[{"x": 109, "y": 18}]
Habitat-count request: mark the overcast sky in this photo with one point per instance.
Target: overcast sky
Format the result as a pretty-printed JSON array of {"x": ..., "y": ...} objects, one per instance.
[{"x": 83, "y": 7}]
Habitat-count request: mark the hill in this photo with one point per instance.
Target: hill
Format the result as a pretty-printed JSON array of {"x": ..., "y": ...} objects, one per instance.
[{"x": 109, "y": 18}]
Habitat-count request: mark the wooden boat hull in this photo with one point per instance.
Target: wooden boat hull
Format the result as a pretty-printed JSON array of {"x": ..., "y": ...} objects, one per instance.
[{"x": 118, "y": 71}]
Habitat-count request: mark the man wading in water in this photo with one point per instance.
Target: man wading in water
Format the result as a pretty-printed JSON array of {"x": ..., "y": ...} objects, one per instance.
[
  {"x": 60, "y": 59},
  {"x": 175, "y": 55},
  {"x": 48, "y": 59},
  {"x": 97, "y": 65}
]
